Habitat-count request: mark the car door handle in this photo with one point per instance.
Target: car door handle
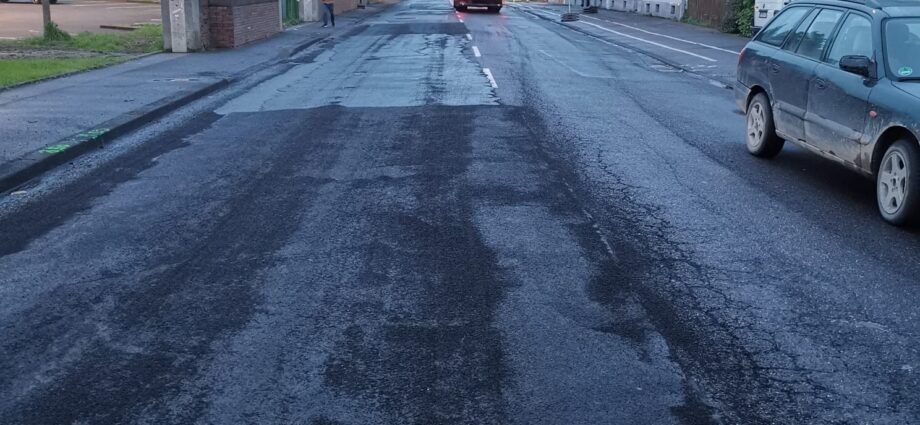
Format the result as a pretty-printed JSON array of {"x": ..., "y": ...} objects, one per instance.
[{"x": 821, "y": 83}]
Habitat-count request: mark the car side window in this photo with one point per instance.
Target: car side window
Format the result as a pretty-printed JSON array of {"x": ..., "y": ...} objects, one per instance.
[
  {"x": 819, "y": 33},
  {"x": 854, "y": 38},
  {"x": 793, "y": 42},
  {"x": 780, "y": 27}
]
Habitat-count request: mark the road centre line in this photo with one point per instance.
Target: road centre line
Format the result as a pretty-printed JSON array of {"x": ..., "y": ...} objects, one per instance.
[
  {"x": 708, "y": 46},
  {"x": 476, "y": 52},
  {"x": 469, "y": 36},
  {"x": 488, "y": 73},
  {"x": 663, "y": 46}
]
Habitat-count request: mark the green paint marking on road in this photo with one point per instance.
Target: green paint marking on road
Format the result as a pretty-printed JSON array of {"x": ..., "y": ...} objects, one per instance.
[
  {"x": 53, "y": 149},
  {"x": 90, "y": 134},
  {"x": 77, "y": 138}
]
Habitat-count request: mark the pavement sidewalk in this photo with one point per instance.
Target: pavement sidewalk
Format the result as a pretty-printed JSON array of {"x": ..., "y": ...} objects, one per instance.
[{"x": 49, "y": 123}]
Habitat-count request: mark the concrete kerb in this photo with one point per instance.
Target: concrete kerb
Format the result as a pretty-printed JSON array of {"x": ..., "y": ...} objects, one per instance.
[{"x": 23, "y": 169}]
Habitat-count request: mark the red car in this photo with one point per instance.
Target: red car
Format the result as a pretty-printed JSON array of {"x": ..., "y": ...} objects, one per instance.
[{"x": 494, "y": 6}]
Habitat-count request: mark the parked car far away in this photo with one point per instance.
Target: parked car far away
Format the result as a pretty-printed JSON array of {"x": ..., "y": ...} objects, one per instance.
[
  {"x": 493, "y": 6},
  {"x": 841, "y": 79}
]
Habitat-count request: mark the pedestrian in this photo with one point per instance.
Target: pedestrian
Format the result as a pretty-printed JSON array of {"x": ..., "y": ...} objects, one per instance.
[{"x": 328, "y": 12}]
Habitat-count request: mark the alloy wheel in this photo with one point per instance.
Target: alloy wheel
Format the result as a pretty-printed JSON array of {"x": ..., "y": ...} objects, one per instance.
[
  {"x": 756, "y": 124},
  {"x": 892, "y": 182}
]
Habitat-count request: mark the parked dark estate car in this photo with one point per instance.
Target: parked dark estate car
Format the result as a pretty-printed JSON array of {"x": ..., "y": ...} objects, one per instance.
[{"x": 841, "y": 79}]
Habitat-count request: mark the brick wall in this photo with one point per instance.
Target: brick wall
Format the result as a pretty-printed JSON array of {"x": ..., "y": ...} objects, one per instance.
[
  {"x": 233, "y": 23},
  {"x": 204, "y": 21},
  {"x": 342, "y": 6}
]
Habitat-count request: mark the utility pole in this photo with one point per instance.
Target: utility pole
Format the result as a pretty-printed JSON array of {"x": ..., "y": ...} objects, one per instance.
[
  {"x": 184, "y": 25},
  {"x": 46, "y": 15}
]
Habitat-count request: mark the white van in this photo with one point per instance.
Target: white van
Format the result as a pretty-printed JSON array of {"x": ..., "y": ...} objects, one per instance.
[{"x": 764, "y": 10}]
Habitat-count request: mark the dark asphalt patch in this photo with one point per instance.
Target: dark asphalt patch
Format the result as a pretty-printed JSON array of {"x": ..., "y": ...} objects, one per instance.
[
  {"x": 163, "y": 318},
  {"x": 442, "y": 362},
  {"x": 202, "y": 289},
  {"x": 36, "y": 219},
  {"x": 631, "y": 280}
]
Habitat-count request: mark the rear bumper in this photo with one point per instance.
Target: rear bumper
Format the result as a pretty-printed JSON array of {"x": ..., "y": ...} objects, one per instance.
[
  {"x": 478, "y": 3},
  {"x": 742, "y": 93}
]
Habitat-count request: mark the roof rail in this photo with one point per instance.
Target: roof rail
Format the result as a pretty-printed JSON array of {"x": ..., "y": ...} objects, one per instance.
[
  {"x": 876, "y": 4},
  {"x": 880, "y": 4}
]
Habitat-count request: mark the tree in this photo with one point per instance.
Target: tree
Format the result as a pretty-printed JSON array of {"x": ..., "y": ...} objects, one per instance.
[{"x": 46, "y": 16}]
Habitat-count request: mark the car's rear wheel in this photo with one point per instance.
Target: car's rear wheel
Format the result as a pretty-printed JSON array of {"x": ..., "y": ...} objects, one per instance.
[
  {"x": 495, "y": 9},
  {"x": 897, "y": 184},
  {"x": 460, "y": 8},
  {"x": 762, "y": 140}
]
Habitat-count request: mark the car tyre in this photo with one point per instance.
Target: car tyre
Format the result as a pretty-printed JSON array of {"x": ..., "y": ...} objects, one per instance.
[
  {"x": 495, "y": 10},
  {"x": 460, "y": 8},
  {"x": 762, "y": 140},
  {"x": 897, "y": 183}
]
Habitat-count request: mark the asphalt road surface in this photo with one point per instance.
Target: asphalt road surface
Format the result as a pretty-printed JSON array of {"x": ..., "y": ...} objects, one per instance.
[
  {"x": 456, "y": 218},
  {"x": 19, "y": 19}
]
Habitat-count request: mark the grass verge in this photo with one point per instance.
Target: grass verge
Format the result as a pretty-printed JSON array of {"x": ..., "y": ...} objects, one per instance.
[
  {"x": 36, "y": 58},
  {"x": 17, "y": 71},
  {"x": 145, "y": 39}
]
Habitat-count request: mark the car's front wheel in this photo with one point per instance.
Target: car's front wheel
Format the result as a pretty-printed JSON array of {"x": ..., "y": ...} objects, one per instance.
[
  {"x": 495, "y": 9},
  {"x": 762, "y": 140},
  {"x": 897, "y": 184}
]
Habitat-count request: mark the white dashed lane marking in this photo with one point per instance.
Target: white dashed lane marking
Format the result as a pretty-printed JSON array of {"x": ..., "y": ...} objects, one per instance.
[
  {"x": 488, "y": 73},
  {"x": 476, "y": 52}
]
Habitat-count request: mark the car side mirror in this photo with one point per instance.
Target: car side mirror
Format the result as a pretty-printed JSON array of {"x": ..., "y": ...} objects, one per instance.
[{"x": 859, "y": 65}]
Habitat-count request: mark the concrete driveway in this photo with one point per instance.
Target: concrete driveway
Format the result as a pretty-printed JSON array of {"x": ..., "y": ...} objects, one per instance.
[{"x": 20, "y": 19}]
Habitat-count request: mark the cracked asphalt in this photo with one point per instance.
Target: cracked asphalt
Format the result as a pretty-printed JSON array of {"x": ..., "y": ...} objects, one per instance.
[{"x": 395, "y": 227}]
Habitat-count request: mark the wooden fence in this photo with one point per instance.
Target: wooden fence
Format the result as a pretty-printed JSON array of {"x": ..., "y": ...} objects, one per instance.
[{"x": 712, "y": 13}]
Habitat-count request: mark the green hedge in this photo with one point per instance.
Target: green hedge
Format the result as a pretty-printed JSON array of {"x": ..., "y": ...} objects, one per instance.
[{"x": 744, "y": 15}]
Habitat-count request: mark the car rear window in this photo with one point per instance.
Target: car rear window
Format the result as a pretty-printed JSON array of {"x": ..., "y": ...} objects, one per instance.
[
  {"x": 902, "y": 47},
  {"x": 780, "y": 27}
]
